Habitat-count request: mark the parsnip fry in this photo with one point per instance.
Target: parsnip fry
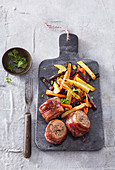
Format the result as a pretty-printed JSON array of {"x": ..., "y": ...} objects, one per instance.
[
  {"x": 86, "y": 84},
  {"x": 81, "y": 106},
  {"x": 71, "y": 91},
  {"x": 87, "y": 69},
  {"x": 60, "y": 67},
  {"x": 56, "y": 88},
  {"x": 65, "y": 77},
  {"x": 69, "y": 97},
  {"x": 51, "y": 93},
  {"x": 77, "y": 84}
]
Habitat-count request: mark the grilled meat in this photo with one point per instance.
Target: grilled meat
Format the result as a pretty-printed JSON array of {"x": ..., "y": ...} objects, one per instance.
[
  {"x": 51, "y": 109},
  {"x": 56, "y": 131},
  {"x": 78, "y": 123}
]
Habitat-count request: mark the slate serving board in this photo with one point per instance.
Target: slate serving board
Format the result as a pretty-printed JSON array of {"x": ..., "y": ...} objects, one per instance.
[{"x": 95, "y": 137}]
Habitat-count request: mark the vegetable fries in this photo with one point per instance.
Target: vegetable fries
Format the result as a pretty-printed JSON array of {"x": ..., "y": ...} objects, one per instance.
[
  {"x": 87, "y": 69},
  {"x": 81, "y": 106},
  {"x": 71, "y": 86}
]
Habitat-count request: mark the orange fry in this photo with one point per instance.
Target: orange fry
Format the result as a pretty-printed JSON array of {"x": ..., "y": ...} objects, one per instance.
[{"x": 66, "y": 106}]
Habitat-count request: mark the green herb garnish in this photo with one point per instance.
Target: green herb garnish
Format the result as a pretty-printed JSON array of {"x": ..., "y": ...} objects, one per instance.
[
  {"x": 91, "y": 97},
  {"x": 61, "y": 76},
  {"x": 42, "y": 95},
  {"x": 20, "y": 63},
  {"x": 74, "y": 89},
  {"x": 62, "y": 100},
  {"x": 8, "y": 80},
  {"x": 10, "y": 67},
  {"x": 44, "y": 68},
  {"x": 51, "y": 82}
]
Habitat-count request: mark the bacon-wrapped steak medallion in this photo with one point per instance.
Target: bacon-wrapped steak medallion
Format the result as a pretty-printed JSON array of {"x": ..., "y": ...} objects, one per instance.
[
  {"x": 78, "y": 123},
  {"x": 56, "y": 131},
  {"x": 51, "y": 109}
]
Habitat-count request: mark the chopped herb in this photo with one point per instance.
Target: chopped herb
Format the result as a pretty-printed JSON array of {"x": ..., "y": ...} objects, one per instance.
[
  {"x": 62, "y": 100},
  {"x": 8, "y": 80},
  {"x": 74, "y": 89},
  {"x": 19, "y": 62},
  {"x": 10, "y": 67},
  {"x": 44, "y": 68},
  {"x": 23, "y": 66},
  {"x": 13, "y": 70},
  {"x": 42, "y": 95},
  {"x": 91, "y": 97},
  {"x": 52, "y": 82},
  {"x": 92, "y": 94},
  {"x": 61, "y": 76}
]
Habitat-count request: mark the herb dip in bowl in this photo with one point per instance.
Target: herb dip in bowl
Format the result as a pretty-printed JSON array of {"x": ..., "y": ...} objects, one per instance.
[{"x": 16, "y": 61}]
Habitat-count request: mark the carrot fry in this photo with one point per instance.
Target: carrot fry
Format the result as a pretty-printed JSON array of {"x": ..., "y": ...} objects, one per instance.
[
  {"x": 83, "y": 71},
  {"x": 66, "y": 106},
  {"x": 74, "y": 67},
  {"x": 66, "y": 75},
  {"x": 81, "y": 106},
  {"x": 78, "y": 67},
  {"x": 69, "y": 71},
  {"x": 85, "y": 110},
  {"x": 51, "y": 93},
  {"x": 87, "y": 69},
  {"x": 77, "y": 75}
]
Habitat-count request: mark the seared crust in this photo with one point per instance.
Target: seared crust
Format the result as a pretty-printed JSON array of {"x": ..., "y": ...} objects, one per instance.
[
  {"x": 81, "y": 119},
  {"x": 76, "y": 123},
  {"x": 56, "y": 131},
  {"x": 51, "y": 109}
]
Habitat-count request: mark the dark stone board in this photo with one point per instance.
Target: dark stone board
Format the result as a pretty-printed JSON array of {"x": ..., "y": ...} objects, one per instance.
[{"x": 95, "y": 136}]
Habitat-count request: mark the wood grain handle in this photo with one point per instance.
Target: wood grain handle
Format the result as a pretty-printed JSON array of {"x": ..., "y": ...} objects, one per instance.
[{"x": 27, "y": 136}]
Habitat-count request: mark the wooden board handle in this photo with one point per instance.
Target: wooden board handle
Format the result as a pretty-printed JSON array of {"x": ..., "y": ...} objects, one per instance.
[
  {"x": 27, "y": 136},
  {"x": 68, "y": 46}
]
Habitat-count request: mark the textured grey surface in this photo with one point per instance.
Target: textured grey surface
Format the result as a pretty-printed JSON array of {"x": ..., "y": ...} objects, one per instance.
[
  {"x": 22, "y": 24},
  {"x": 95, "y": 137}
]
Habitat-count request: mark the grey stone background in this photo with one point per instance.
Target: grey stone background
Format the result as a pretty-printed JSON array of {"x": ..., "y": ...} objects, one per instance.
[{"x": 22, "y": 24}]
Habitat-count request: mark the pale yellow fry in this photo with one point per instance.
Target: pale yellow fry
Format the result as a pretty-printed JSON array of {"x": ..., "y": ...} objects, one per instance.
[
  {"x": 87, "y": 69},
  {"x": 81, "y": 106},
  {"x": 86, "y": 84},
  {"x": 71, "y": 91},
  {"x": 77, "y": 84},
  {"x": 60, "y": 67},
  {"x": 56, "y": 88},
  {"x": 69, "y": 97}
]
